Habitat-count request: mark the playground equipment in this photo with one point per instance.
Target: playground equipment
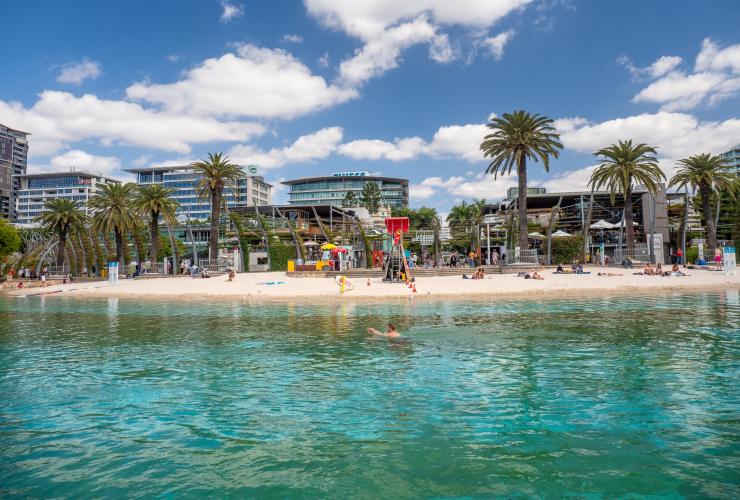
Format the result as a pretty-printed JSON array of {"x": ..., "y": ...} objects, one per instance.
[{"x": 396, "y": 268}]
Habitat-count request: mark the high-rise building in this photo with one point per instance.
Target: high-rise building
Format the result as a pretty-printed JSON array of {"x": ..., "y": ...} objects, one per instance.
[
  {"x": 36, "y": 189},
  {"x": 733, "y": 157},
  {"x": 13, "y": 162},
  {"x": 331, "y": 190},
  {"x": 252, "y": 188}
]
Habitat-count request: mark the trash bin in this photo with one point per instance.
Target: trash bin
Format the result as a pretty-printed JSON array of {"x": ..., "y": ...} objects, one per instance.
[{"x": 291, "y": 266}]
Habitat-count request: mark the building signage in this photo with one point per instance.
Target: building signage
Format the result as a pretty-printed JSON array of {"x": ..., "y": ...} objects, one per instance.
[
  {"x": 350, "y": 174},
  {"x": 253, "y": 169}
]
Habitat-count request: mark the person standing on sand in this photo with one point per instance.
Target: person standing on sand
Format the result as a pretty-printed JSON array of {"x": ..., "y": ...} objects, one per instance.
[
  {"x": 718, "y": 258},
  {"x": 389, "y": 333}
]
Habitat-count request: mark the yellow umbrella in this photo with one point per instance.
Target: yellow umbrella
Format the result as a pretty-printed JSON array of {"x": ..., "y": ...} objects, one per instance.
[{"x": 328, "y": 246}]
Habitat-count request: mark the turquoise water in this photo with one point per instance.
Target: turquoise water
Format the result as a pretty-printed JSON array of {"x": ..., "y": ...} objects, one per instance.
[{"x": 629, "y": 396}]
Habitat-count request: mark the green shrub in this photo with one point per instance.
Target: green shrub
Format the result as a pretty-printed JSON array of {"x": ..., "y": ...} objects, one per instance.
[
  {"x": 280, "y": 254},
  {"x": 566, "y": 249},
  {"x": 10, "y": 239}
]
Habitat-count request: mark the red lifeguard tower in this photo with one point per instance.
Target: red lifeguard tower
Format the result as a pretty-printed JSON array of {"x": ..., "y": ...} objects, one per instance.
[{"x": 396, "y": 268}]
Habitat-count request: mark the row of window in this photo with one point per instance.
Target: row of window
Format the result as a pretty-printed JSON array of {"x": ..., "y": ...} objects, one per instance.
[{"x": 57, "y": 182}]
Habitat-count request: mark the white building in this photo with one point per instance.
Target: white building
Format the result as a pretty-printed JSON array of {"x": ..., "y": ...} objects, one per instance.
[{"x": 36, "y": 189}]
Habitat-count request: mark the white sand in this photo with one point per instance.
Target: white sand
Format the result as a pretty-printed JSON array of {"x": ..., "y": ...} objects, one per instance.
[{"x": 252, "y": 286}]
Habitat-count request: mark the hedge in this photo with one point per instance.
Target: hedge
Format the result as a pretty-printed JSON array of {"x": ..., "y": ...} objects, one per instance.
[
  {"x": 280, "y": 254},
  {"x": 566, "y": 249}
]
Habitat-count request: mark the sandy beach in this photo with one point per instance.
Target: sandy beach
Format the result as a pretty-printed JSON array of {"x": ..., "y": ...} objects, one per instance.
[{"x": 276, "y": 285}]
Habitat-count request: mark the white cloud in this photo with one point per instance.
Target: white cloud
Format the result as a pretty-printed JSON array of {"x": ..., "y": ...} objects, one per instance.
[
  {"x": 571, "y": 180},
  {"x": 173, "y": 58},
  {"x": 59, "y": 118},
  {"x": 677, "y": 135},
  {"x": 306, "y": 148},
  {"x": 369, "y": 149},
  {"x": 230, "y": 11},
  {"x": 76, "y": 72},
  {"x": 324, "y": 60},
  {"x": 82, "y": 161},
  {"x": 458, "y": 141},
  {"x": 440, "y": 49},
  {"x": 715, "y": 78},
  {"x": 495, "y": 45},
  {"x": 383, "y": 52},
  {"x": 481, "y": 185},
  {"x": 293, "y": 38},
  {"x": 254, "y": 81}
]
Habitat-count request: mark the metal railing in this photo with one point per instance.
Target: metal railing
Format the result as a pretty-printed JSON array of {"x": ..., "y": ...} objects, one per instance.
[
  {"x": 216, "y": 265},
  {"x": 56, "y": 271}
]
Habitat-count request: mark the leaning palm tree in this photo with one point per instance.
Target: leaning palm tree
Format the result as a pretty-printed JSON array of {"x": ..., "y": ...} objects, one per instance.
[
  {"x": 217, "y": 174},
  {"x": 624, "y": 165},
  {"x": 154, "y": 201},
  {"x": 707, "y": 173},
  {"x": 516, "y": 137},
  {"x": 112, "y": 209},
  {"x": 62, "y": 216}
]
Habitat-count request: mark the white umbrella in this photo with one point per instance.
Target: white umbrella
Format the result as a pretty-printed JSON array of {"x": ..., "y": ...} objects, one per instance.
[
  {"x": 560, "y": 234},
  {"x": 536, "y": 236},
  {"x": 310, "y": 243},
  {"x": 602, "y": 224}
]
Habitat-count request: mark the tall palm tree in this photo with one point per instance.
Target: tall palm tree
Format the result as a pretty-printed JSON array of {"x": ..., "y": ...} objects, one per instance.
[
  {"x": 62, "y": 216},
  {"x": 478, "y": 211},
  {"x": 707, "y": 173},
  {"x": 515, "y": 138},
  {"x": 113, "y": 210},
  {"x": 217, "y": 174},
  {"x": 154, "y": 201},
  {"x": 623, "y": 166}
]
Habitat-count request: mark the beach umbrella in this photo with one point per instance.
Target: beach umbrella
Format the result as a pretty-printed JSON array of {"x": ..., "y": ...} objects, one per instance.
[
  {"x": 328, "y": 246},
  {"x": 602, "y": 224},
  {"x": 310, "y": 243},
  {"x": 536, "y": 236},
  {"x": 560, "y": 234}
]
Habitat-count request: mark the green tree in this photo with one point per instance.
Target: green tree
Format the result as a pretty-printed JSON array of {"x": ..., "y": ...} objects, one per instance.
[
  {"x": 623, "y": 166},
  {"x": 113, "y": 210},
  {"x": 477, "y": 213},
  {"x": 217, "y": 174},
  {"x": 350, "y": 200},
  {"x": 10, "y": 239},
  {"x": 459, "y": 219},
  {"x": 61, "y": 216},
  {"x": 709, "y": 174},
  {"x": 154, "y": 201},
  {"x": 371, "y": 197},
  {"x": 165, "y": 248},
  {"x": 515, "y": 138}
]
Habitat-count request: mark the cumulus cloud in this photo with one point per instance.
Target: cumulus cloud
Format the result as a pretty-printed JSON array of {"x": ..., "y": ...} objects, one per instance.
[
  {"x": 373, "y": 149},
  {"x": 82, "y": 161},
  {"x": 293, "y": 38},
  {"x": 306, "y": 148},
  {"x": 495, "y": 45},
  {"x": 479, "y": 186},
  {"x": 230, "y": 11},
  {"x": 324, "y": 60},
  {"x": 715, "y": 78},
  {"x": 76, "y": 72},
  {"x": 253, "y": 81},
  {"x": 59, "y": 118}
]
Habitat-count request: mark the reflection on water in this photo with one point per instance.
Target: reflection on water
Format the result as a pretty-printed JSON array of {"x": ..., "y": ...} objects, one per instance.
[{"x": 620, "y": 396}]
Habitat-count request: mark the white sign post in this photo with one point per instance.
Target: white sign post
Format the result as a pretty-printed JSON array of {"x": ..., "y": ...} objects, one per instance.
[
  {"x": 113, "y": 273},
  {"x": 728, "y": 261},
  {"x": 700, "y": 246}
]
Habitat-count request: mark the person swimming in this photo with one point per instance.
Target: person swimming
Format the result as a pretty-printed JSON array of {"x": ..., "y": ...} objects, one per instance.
[{"x": 391, "y": 332}]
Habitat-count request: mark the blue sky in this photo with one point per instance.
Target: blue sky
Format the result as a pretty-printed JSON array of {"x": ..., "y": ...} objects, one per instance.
[{"x": 401, "y": 88}]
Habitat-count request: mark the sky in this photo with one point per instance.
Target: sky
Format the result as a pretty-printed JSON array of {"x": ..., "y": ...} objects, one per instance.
[{"x": 398, "y": 88}]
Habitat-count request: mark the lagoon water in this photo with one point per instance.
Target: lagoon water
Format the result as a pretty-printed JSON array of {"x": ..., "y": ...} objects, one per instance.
[{"x": 580, "y": 397}]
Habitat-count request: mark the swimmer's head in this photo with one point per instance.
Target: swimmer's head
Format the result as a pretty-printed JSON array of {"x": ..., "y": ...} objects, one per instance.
[{"x": 391, "y": 327}]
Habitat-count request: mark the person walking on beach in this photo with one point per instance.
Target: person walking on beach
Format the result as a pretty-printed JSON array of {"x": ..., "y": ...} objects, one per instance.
[
  {"x": 389, "y": 333},
  {"x": 718, "y": 258}
]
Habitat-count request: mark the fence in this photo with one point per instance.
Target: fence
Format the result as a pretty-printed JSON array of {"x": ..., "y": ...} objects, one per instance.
[
  {"x": 56, "y": 271},
  {"x": 216, "y": 265},
  {"x": 525, "y": 257}
]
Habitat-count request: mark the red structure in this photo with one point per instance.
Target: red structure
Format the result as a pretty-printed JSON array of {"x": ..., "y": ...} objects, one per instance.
[{"x": 393, "y": 224}]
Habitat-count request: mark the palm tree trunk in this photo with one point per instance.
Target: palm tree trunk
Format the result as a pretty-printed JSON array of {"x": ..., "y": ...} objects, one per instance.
[
  {"x": 89, "y": 253},
  {"x": 215, "y": 215},
  {"x": 100, "y": 256},
  {"x": 628, "y": 225},
  {"x": 109, "y": 246},
  {"x": 523, "y": 231},
  {"x": 61, "y": 249},
  {"x": 708, "y": 216},
  {"x": 154, "y": 237},
  {"x": 79, "y": 254}
]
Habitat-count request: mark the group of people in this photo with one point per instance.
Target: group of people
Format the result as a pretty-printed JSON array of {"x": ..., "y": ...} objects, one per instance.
[
  {"x": 530, "y": 275},
  {"x": 575, "y": 268},
  {"x": 658, "y": 270}
]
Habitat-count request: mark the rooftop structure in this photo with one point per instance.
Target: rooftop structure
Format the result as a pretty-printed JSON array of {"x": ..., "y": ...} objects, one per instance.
[
  {"x": 13, "y": 162},
  {"x": 37, "y": 189},
  {"x": 252, "y": 188},
  {"x": 332, "y": 189}
]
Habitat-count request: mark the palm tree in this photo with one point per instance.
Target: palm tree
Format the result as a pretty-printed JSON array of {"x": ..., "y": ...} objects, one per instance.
[
  {"x": 516, "y": 137},
  {"x": 478, "y": 212},
  {"x": 459, "y": 218},
  {"x": 113, "y": 210},
  {"x": 707, "y": 173},
  {"x": 217, "y": 174},
  {"x": 62, "y": 216},
  {"x": 153, "y": 201},
  {"x": 623, "y": 165}
]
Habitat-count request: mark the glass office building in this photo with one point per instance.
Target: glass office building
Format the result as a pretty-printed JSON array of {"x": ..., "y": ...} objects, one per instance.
[
  {"x": 733, "y": 157},
  {"x": 13, "y": 162},
  {"x": 36, "y": 189},
  {"x": 252, "y": 188},
  {"x": 331, "y": 190}
]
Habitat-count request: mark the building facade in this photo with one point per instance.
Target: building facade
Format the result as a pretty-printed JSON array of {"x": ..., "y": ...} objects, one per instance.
[
  {"x": 13, "y": 162},
  {"x": 36, "y": 189},
  {"x": 733, "y": 157},
  {"x": 332, "y": 189},
  {"x": 183, "y": 179}
]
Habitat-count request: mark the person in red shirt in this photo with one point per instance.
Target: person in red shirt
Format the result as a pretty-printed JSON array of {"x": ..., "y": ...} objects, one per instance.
[{"x": 679, "y": 256}]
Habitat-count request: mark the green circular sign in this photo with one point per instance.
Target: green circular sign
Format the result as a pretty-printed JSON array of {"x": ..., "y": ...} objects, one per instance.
[{"x": 252, "y": 169}]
